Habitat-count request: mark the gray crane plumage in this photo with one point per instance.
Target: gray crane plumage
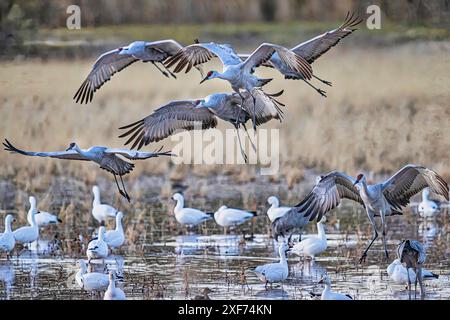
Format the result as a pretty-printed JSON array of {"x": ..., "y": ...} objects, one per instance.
[
  {"x": 111, "y": 62},
  {"x": 412, "y": 253},
  {"x": 201, "y": 114},
  {"x": 383, "y": 199},
  {"x": 314, "y": 48},
  {"x": 109, "y": 159}
]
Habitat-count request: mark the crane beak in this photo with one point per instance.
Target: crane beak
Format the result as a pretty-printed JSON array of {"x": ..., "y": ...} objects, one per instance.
[
  {"x": 320, "y": 281},
  {"x": 356, "y": 182},
  {"x": 204, "y": 79}
]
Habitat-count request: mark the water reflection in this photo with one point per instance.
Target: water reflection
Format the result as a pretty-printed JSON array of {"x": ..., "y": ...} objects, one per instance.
[{"x": 156, "y": 264}]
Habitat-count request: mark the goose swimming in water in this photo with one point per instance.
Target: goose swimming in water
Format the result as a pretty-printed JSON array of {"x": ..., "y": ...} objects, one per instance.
[
  {"x": 115, "y": 238},
  {"x": 97, "y": 247},
  {"x": 274, "y": 272},
  {"x": 90, "y": 281},
  {"x": 42, "y": 218},
  {"x": 7, "y": 241},
  {"x": 101, "y": 212},
  {"x": 275, "y": 211},
  {"x": 188, "y": 216},
  {"x": 108, "y": 159},
  {"x": 327, "y": 294},
  {"x": 313, "y": 245},
  {"x": 113, "y": 293}
]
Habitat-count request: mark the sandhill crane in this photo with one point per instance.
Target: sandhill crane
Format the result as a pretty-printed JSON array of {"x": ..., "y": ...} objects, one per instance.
[
  {"x": 109, "y": 159},
  {"x": 118, "y": 59},
  {"x": 412, "y": 253},
  {"x": 385, "y": 199},
  {"x": 312, "y": 49},
  {"x": 192, "y": 114},
  {"x": 237, "y": 72}
]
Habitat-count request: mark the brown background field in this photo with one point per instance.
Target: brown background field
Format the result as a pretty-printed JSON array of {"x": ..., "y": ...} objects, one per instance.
[{"x": 389, "y": 104}]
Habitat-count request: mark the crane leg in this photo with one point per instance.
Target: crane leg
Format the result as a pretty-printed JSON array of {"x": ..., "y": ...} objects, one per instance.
[
  {"x": 415, "y": 284},
  {"x": 254, "y": 111},
  {"x": 383, "y": 225},
  {"x": 328, "y": 83},
  {"x": 120, "y": 190},
  {"x": 248, "y": 136},
  {"x": 409, "y": 283},
  {"x": 375, "y": 236},
  {"x": 160, "y": 70},
  {"x": 124, "y": 189},
  {"x": 241, "y": 106},
  {"x": 168, "y": 71},
  {"x": 320, "y": 91},
  {"x": 240, "y": 145},
  {"x": 422, "y": 288}
]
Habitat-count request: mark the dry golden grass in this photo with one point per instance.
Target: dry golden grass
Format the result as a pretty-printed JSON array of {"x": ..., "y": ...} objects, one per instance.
[{"x": 387, "y": 107}]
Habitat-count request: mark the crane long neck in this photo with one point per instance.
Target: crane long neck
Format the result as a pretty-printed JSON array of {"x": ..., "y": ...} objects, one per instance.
[
  {"x": 425, "y": 195},
  {"x": 364, "y": 188}
]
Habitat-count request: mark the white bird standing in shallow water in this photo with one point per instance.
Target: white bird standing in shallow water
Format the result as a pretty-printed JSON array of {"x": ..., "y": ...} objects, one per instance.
[
  {"x": 397, "y": 272},
  {"x": 42, "y": 218},
  {"x": 313, "y": 245},
  {"x": 274, "y": 272},
  {"x": 113, "y": 293},
  {"x": 90, "y": 281},
  {"x": 7, "y": 241},
  {"x": 229, "y": 217},
  {"x": 115, "y": 238},
  {"x": 28, "y": 234},
  {"x": 101, "y": 212},
  {"x": 188, "y": 216},
  {"x": 275, "y": 211},
  {"x": 97, "y": 248},
  {"x": 428, "y": 208},
  {"x": 327, "y": 294}
]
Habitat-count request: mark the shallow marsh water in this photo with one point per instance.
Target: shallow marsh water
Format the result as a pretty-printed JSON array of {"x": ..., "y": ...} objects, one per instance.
[{"x": 162, "y": 261}]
